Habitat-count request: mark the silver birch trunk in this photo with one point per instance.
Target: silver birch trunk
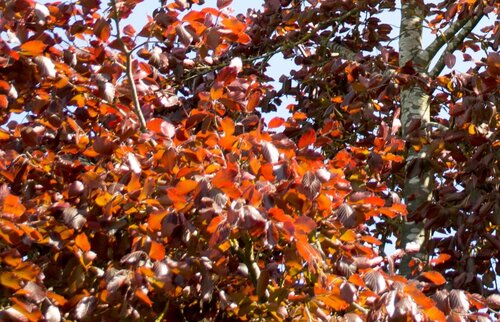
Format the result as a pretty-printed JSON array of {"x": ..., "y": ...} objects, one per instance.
[{"x": 415, "y": 105}]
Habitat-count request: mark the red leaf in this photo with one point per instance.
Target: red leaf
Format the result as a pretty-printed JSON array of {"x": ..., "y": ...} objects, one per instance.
[
  {"x": 374, "y": 201},
  {"x": 233, "y": 24},
  {"x": 371, "y": 240},
  {"x": 4, "y": 101},
  {"x": 434, "y": 314},
  {"x": 214, "y": 223},
  {"x": 11, "y": 204},
  {"x": 299, "y": 116},
  {"x": 253, "y": 101},
  {"x": 157, "y": 251},
  {"x": 244, "y": 39},
  {"x": 304, "y": 225},
  {"x": 223, "y": 3},
  {"x": 279, "y": 215},
  {"x": 419, "y": 297},
  {"x": 450, "y": 60},
  {"x": 155, "y": 220},
  {"x": 276, "y": 122},
  {"x": 129, "y": 30},
  {"x": 160, "y": 126},
  {"x": 334, "y": 302},
  {"x": 342, "y": 159},
  {"x": 401, "y": 208},
  {"x": 324, "y": 203},
  {"x": 434, "y": 277},
  {"x": 82, "y": 242},
  {"x": 306, "y": 251},
  {"x": 388, "y": 212},
  {"x": 103, "y": 146},
  {"x": 102, "y": 30},
  {"x": 227, "y": 126},
  {"x": 309, "y": 137},
  {"x": 440, "y": 259},
  {"x": 4, "y": 135},
  {"x": 143, "y": 297},
  {"x": 33, "y": 48},
  {"x": 216, "y": 92},
  {"x": 185, "y": 187},
  {"x": 224, "y": 178}
]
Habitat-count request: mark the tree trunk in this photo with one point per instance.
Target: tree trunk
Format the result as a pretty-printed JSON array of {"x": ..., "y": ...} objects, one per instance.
[{"x": 414, "y": 106}]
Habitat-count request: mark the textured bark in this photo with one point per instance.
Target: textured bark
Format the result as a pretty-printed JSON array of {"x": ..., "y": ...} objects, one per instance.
[{"x": 414, "y": 106}]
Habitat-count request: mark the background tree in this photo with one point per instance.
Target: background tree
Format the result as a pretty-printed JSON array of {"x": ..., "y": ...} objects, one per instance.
[{"x": 143, "y": 182}]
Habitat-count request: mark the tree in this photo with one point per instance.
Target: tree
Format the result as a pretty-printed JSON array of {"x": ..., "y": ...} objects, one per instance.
[{"x": 143, "y": 181}]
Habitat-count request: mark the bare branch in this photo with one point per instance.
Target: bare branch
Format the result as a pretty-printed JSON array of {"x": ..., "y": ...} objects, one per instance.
[
  {"x": 455, "y": 43},
  {"x": 129, "y": 71},
  {"x": 428, "y": 53}
]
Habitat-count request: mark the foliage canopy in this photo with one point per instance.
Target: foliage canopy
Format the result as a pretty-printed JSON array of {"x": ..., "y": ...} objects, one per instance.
[{"x": 143, "y": 181}]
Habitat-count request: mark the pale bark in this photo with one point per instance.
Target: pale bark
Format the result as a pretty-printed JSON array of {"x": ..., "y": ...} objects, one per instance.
[
  {"x": 454, "y": 43},
  {"x": 415, "y": 106}
]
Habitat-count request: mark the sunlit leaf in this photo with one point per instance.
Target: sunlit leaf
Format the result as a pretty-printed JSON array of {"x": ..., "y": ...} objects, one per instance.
[
  {"x": 434, "y": 277},
  {"x": 82, "y": 242},
  {"x": 11, "y": 204},
  {"x": 4, "y": 135},
  {"x": 216, "y": 92},
  {"x": 371, "y": 240},
  {"x": 224, "y": 178},
  {"x": 4, "y": 101},
  {"x": 442, "y": 258},
  {"x": 304, "y": 224},
  {"x": 334, "y": 302},
  {"x": 162, "y": 127},
  {"x": 434, "y": 314},
  {"x": 419, "y": 297},
  {"x": 143, "y": 297},
  {"x": 10, "y": 280},
  {"x": 157, "y": 251},
  {"x": 102, "y": 29},
  {"x": 227, "y": 126},
  {"x": 33, "y": 48},
  {"x": 348, "y": 236},
  {"x": 308, "y": 138},
  {"x": 253, "y": 101},
  {"x": 276, "y": 122},
  {"x": 27, "y": 271}
]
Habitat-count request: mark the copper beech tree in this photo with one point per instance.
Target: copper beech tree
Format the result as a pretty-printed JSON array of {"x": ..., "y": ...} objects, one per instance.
[{"x": 140, "y": 180}]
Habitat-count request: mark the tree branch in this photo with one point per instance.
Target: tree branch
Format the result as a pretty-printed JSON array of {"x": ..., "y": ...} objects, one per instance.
[
  {"x": 129, "y": 71},
  {"x": 338, "y": 48},
  {"x": 454, "y": 43},
  {"x": 428, "y": 53},
  {"x": 343, "y": 51}
]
